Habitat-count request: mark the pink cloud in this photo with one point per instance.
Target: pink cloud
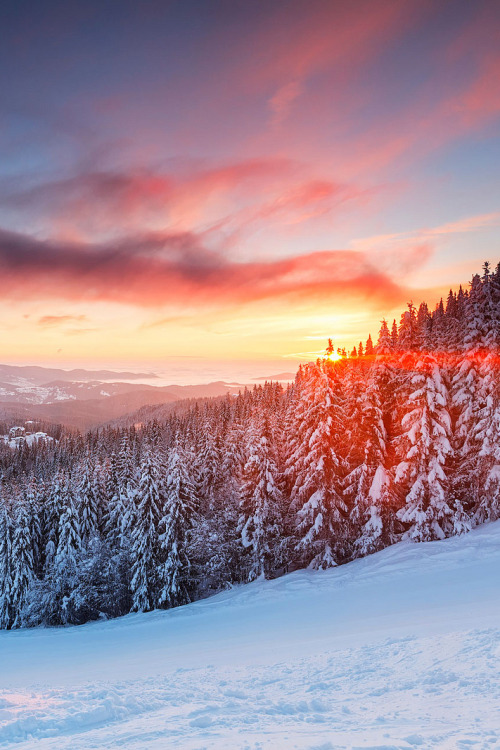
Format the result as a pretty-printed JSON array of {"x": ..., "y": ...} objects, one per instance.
[
  {"x": 281, "y": 103},
  {"x": 159, "y": 269},
  {"x": 233, "y": 197}
]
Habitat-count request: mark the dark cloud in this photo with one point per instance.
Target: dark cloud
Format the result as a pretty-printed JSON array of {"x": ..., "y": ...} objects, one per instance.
[{"x": 161, "y": 268}]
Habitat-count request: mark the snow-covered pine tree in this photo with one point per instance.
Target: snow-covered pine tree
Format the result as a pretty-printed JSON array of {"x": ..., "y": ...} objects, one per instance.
[
  {"x": 64, "y": 572},
  {"x": 209, "y": 468},
  {"x": 6, "y": 613},
  {"x": 437, "y": 339},
  {"x": 468, "y": 396},
  {"x": 22, "y": 568},
  {"x": 127, "y": 486},
  {"x": 394, "y": 335},
  {"x": 114, "y": 510},
  {"x": 52, "y": 511},
  {"x": 487, "y": 426},
  {"x": 178, "y": 512},
  {"x": 423, "y": 450},
  {"x": 314, "y": 467},
  {"x": 368, "y": 486},
  {"x": 32, "y": 497},
  {"x": 145, "y": 542},
  {"x": 261, "y": 506},
  {"x": 384, "y": 342},
  {"x": 87, "y": 504},
  {"x": 408, "y": 334}
]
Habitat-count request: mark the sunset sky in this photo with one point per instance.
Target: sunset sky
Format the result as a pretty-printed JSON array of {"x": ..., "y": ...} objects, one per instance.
[{"x": 206, "y": 182}]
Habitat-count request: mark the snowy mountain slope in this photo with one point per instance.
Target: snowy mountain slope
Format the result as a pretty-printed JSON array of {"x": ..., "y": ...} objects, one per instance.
[
  {"x": 87, "y": 403},
  {"x": 397, "y": 650}
]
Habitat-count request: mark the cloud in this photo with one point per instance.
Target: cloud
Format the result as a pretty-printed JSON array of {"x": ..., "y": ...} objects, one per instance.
[
  {"x": 232, "y": 199},
  {"x": 281, "y": 103},
  {"x": 469, "y": 224},
  {"x": 460, "y": 100},
  {"x": 56, "y": 320},
  {"x": 297, "y": 41},
  {"x": 160, "y": 269},
  {"x": 415, "y": 240},
  {"x": 79, "y": 331}
]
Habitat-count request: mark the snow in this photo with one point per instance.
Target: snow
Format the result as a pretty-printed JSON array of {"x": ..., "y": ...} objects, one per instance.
[
  {"x": 35, "y": 437},
  {"x": 396, "y": 650}
]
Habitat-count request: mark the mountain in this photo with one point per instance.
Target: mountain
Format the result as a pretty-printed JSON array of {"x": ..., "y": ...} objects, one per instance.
[
  {"x": 82, "y": 399},
  {"x": 280, "y": 377},
  {"x": 395, "y": 650},
  {"x": 42, "y": 375}
]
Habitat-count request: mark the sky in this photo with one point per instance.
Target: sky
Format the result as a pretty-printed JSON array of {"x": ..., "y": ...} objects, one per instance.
[{"x": 209, "y": 183}]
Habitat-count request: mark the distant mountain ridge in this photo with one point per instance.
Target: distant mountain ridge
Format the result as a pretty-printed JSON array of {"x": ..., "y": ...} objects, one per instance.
[
  {"x": 42, "y": 375},
  {"x": 82, "y": 399}
]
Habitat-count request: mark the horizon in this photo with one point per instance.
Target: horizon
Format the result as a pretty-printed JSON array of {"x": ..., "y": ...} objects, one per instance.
[{"x": 164, "y": 373}]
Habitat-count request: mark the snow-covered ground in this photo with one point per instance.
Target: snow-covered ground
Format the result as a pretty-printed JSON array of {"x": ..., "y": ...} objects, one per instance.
[
  {"x": 34, "y": 437},
  {"x": 398, "y": 650}
]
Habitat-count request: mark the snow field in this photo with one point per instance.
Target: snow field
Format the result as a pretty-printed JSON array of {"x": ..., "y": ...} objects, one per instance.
[{"x": 397, "y": 650}]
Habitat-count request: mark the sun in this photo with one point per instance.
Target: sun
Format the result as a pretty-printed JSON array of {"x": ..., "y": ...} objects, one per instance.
[{"x": 334, "y": 356}]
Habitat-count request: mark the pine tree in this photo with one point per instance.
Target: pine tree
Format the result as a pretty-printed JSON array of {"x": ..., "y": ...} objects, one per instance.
[
  {"x": 424, "y": 448},
  {"x": 486, "y": 428},
  {"x": 145, "y": 541},
  {"x": 6, "y": 612},
  {"x": 314, "y": 468},
  {"x": 52, "y": 512},
  {"x": 114, "y": 509},
  {"x": 368, "y": 485},
  {"x": 210, "y": 466},
  {"x": 261, "y": 505},
  {"x": 22, "y": 567},
  {"x": 384, "y": 343},
  {"x": 408, "y": 330},
  {"x": 88, "y": 507},
  {"x": 394, "y": 336},
  {"x": 468, "y": 396},
  {"x": 33, "y": 506},
  {"x": 178, "y": 513},
  {"x": 127, "y": 488},
  {"x": 65, "y": 568}
]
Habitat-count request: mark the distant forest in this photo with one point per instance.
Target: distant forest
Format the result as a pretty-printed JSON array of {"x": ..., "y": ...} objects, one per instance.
[{"x": 398, "y": 439}]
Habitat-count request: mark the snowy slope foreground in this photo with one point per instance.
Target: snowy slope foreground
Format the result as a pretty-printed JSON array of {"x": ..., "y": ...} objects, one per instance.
[{"x": 397, "y": 650}]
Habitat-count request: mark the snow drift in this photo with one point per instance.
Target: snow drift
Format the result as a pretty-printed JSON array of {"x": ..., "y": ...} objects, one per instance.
[{"x": 396, "y": 650}]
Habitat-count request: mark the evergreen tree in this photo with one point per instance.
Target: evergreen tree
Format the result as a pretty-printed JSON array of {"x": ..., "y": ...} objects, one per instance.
[
  {"x": 6, "y": 611},
  {"x": 368, "y": 485},
  {"x": 178, "y": 513},
  {"x": 65, "y": 569},
  {"x": 424, "y": 448},
  {"x": 315, "y": 467},
  {"x": 261, "y": 505},
  {"x": 145, "y": 541},
  {"x": 52, "y": 512},
  {"x": 88, "y": 508},
  {"x": 22, "y": 567}
]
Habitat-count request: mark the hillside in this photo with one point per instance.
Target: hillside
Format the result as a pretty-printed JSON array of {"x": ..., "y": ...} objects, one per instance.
[
  {"x": 82, "y": 399},
  {"x": 396, "y": 650}
]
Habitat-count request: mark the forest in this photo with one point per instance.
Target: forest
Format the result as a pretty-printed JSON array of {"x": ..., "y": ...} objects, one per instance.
[{"x": 398, "y": 439}]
